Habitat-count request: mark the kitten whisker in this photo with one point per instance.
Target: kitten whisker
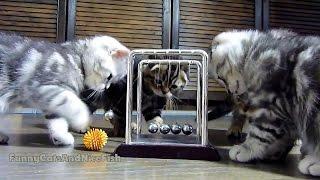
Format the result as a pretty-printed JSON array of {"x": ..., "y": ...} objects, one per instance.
[
  {"x": 175, "y": 103},
  {"x": 91, "y": 94},
  {"x": 176, "y": 98},
  {"x": 169, "y": 105},
  {"x": 98, "y": 95}
]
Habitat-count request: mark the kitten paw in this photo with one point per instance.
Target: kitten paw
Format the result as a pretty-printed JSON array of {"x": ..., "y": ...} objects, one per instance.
[
  {"x": 298, "y": 142},
  {"x": 109, "y": 115},
  {"x": 117, "y": 132},
  {"x": 62, "y": 138},
  {"x": 3, "y": 138},
  {"x": 81, "y": 127},
  {"x": 240, "y": 153},
  {"x": 234, "y": 131},
  {"x": 157, "y": 120},
  {"x": 134, "y": 127},
  {"x": 310, "y": 165}
]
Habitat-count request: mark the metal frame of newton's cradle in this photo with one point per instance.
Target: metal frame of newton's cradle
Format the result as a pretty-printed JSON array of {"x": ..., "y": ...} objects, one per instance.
[{"x": 197, "y": 151}]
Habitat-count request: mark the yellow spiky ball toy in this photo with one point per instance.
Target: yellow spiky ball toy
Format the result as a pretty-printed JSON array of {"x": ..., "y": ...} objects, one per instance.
[{"x": 95, "y": 139}]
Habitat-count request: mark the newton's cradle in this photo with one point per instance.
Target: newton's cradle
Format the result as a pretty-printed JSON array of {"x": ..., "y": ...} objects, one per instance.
[{"x": 175, "y": 141}]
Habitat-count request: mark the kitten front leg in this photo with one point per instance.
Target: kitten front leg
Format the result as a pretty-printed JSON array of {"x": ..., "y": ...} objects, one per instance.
[
  {"x": 310, "y": 149},
  {"x": 157, "y": 120},
  {"x": 3, "y": 108},
  {"x": 3, "y": 138},
  {"x": 58, "y": 131},
  {"x": 118, "y": 127},
  {"x": 235, "y": 129},
  {"x": 238, "y": 121},
  {"x": 265, "y": 141},
  {"x": 153, "y": 115},
  {"x": 118, "y": 122},
  {"x": 67, "y": 106}
]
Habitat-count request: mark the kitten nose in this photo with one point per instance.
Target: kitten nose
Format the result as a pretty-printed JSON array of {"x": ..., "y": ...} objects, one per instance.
[
  {"x": 174, "y": 86},
  {"x": 165, "y": 90}
]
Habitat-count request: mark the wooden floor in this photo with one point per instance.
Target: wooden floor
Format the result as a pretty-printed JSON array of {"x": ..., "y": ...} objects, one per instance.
[{"x": 28, "y": 137}]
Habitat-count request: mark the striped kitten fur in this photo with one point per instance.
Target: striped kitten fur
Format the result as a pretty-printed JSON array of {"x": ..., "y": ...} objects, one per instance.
[
  {"x": 50, "y": 77},
  {"x": 159, "y": 88},
  {"x": 275, "y": 75}
]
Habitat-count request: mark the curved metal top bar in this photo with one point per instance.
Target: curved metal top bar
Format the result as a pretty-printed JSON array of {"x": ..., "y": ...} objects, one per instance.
[
  {"x": 172, "y": 61},
  {"x": 168, "y": 51}
]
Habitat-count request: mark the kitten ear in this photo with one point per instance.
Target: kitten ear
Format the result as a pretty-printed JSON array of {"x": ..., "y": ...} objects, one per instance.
[
  {"x": 184, "y": 67},
  {"x": 155, "y": 67},
  {"x": 159, "y": 67},
  {"x": 120, "y": 53}
]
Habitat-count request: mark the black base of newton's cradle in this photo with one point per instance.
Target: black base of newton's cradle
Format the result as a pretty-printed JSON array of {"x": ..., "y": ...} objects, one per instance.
[{"x": 207, "y": 153}]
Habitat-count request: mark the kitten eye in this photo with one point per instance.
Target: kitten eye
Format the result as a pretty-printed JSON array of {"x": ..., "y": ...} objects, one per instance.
[
  {"x": 109, "y": 77},
  {"x": 220, "y": 78}
]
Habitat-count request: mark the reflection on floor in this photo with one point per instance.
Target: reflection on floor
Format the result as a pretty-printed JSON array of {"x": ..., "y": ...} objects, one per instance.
[{"x": 28, "y": 137}]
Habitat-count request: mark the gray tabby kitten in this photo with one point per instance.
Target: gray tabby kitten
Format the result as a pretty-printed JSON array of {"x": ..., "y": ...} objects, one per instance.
[
  {"x": 50, "y": 76},
  {"x": 276, "y": 76}
]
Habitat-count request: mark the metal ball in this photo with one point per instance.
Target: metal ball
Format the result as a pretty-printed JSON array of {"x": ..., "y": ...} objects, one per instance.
[
  {"x": 164, "y": 128},
  {"x": 109, "y": 115},
  {"x": 175, "y": 128},
  {"x": 187, "y": 129},
  {"x": 153, "y": 128}
]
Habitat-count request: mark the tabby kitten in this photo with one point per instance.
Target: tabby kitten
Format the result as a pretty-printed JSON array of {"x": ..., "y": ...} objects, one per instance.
[
  {"x": 50, "y": 77},
  {"x": 276, "y": 76},
  {"x": 159, "y": 86}
]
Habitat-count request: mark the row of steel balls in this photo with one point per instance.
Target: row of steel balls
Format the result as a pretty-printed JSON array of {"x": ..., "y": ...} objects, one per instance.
[{"x": 175, "y": 128}]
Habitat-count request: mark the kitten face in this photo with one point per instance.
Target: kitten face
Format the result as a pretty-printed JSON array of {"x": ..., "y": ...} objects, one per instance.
[
  {"x": 163, "y": 82},
  {"x": 227, "y": 54},
  {"x": 105, "y": 62}
]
